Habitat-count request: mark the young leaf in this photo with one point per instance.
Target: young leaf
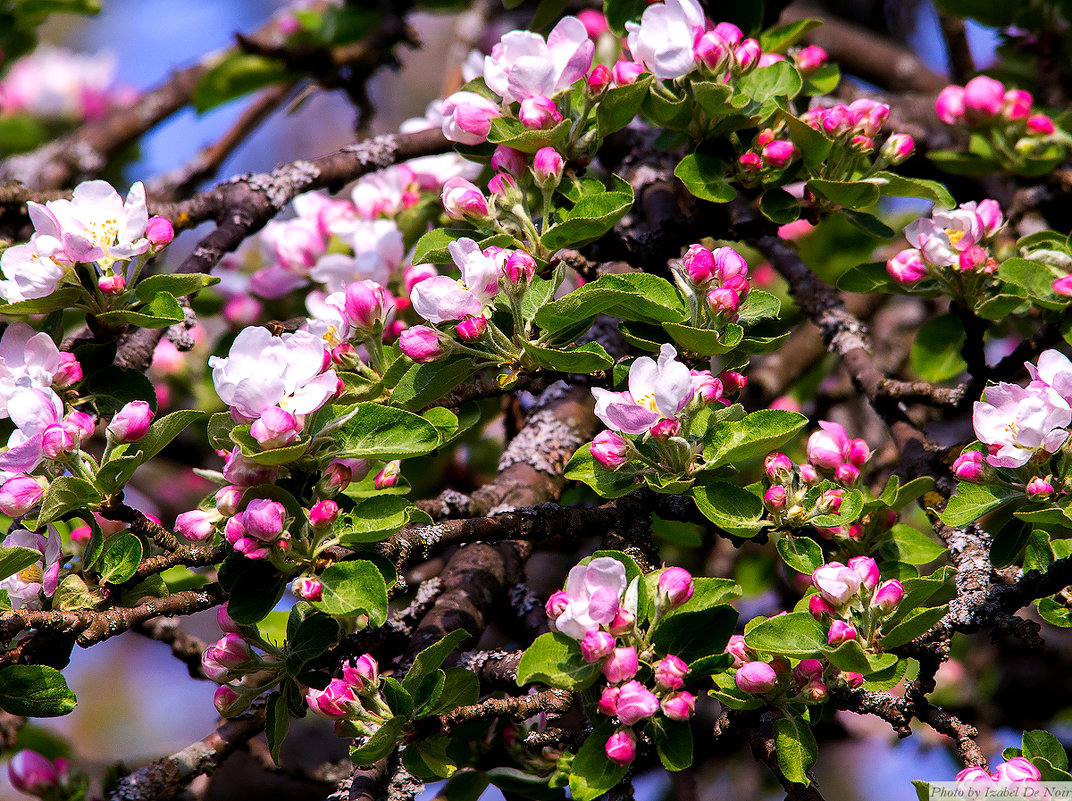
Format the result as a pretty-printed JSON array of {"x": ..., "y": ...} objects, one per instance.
[
  {"x": 555, "y": 660},
  {"x": 795, "y": 744},
  {"x": 354, "y": 587},
  {"x": 429, "y": 660},
  {"x": 36, "y": 691},
  {"x": 796, "y": 634}
]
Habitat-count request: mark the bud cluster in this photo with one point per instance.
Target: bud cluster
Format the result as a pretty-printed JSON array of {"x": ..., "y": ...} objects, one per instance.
[
  {"x": 851, "y": 599},
  {"x": 713, "y": 283},
  {"x": 985, "y": 104},
  {"x": 354, "y": 701},
  {"x": 242, "y": 662}
]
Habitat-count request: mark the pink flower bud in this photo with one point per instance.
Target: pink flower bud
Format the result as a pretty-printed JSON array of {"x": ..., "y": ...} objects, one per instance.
[
  {"x": 858, "y": 452},
  {"x": 837, "y": 583},
  {"x": 950, "y": 105},
  {"x": 1039, "y": 489},
  {"x": 679, "y": 706},
  {"x": 131, "y": 423},
  {"x": 747, "y": 54},
  {"x": 275, "y": 428},
  {"x": 503, "y": 186},
  {"x": 31, "y": 773},
  {"x": 462, "y": 200},
  {"x": 984, "y": 97},
  {"x": 422, "y": 344},
  {"x": 775, "y": 498},
  {"x": 608, "y": 701},
  {"x": 665, "y": 429},
  {"x": 670, "y": 672},
  {"x": 334, "y": 702},
  {"x": 866, "y": 568},
  {"x": 595, "y": 24},
  {"x": 972, "y": 259},
  {"x": 847, "y": 474},
  {"x": 778, "y": 466},
  {"x": 159, "y": 231},
  {"x": 807, "y": 670},
  {"x": 547, "y": 166},
  {"x": 972, "y": 775},
  {"x": 699, "y": 265},
  {"x": 729, "y": 33},
  {"x": 69, "y": 372},
  {"x": 626, "y": 72},
  {"x": 887, "y": 596},
  {"x": 1063, "y": 285},
  {"x": 713, "y": 51},
  {"x": 323, "y": 514},
  {"x": 815, "y": 692},
  {"x": 80, "y": 424},
  {"x": 610, "y": 449},
  {"x": 852, "y": 680},
  {"x": 739, "y": 650},
  {"x": 840, "y": 632},
  {"x": 471, "y": 329},
  {"x": 756, "y": 678},
  {"x": 263, "y": 519},
  {"x": 597, "y": 645},
  {"x": 621, "y": 747},
  {"x": 467, "y": 117},
  {"x": 20, "y": 494},
  {"x": 819, "y": 606},
  {"x": 57, "y": 441},
  {"x": 767, "y": 59},
  {"x": 622, "y": 664},
  {"x": 1016, "y": 104},
  {"x": 229, "y": 703},
  {"x": 729, "y": 264},
  {"x": 1017, "y": 769},
  {"x": 598, "y": 81},
  {"x": 519, "y": 267},
  {"x": 228, "y": 499},
  {"x": 556, "y": 604},
  {"x": 636, "y": 702},
  {"x": 898, "y": 148},
  {"x": 675, "y": 587},
  {"x": 196, "y": 525},
  {"x": 363, "y": 673},
  {"x": 706, "y": 386},
  {"x": 990, "y": 215},
  {"x": 388, "y": 476},
  {"x": 308, "y": 588},
  {"x": 508, "y": 160},
  {"x": 828, "y": 448},
  {"x": 732, "y": 381},
  {"x": 868, "y": 116},
  {"x": 225, "y": 622},
  {"x": 1040, "y": 125},
  {"x": 810, "y": 59},
  {"x": 751, "y": 162},
  {"x": 864, "y": 144},
  {"x": 779, "y": 153},
  {"x": 539, "y": 112},
  {"x": 907, "y": 267},
  {"x": 111, "y": 284},
  {"x": 724, "y": 303},
  {"x": 366, "y": 305}
]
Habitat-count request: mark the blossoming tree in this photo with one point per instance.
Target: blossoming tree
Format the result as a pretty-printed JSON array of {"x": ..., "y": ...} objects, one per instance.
[{"x": 614, "y": 424}]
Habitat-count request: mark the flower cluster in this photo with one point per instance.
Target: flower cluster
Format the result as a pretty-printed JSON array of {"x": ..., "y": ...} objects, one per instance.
[
  {"x": 852, "y": 601},
  {"x": 354, "y": 701},
  {"x": 56, "y": 84},
  {"x": 854, "y": 128},
  {"x": 1017, "y": 769},
  {"x": 951, "y": 247},
  {"x": 985, "y": 103},
  {"x": 777, "y": 680},
  {"x": 649, "y": 422},
  {"x": 599, "y": 609},
  {"x": 713, "y": 283},
  {"x": 242, "y": 662}
]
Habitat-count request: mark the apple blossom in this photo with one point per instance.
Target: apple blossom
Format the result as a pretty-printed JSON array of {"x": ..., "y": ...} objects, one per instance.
[
  {"x": 1017, "y": 769},
  {"x": 608, "y": 700},
  {"x": 756, "y": 678},
  {"x": 335, "y": 702},
  {"x": 196, "y": 525},
  {"x": 507, "y": 159},
  {"x": 26, "y": 587},
  {"x": 1017, "y": 422},
  {"x": 462, "y": 200},
  {"x": 610, "y": 449},
  {"x": 387, "y": 191},
  {"x": 670, "y": 672},
  {"x": 308, "y": 588},
  {"x": 29, "y": 270},
  {"x": 866, "y": 568},
  {"x": 547, "y": 166},
  {"x": 467, "y": 117},
  {"x": 837, "y": 583},
  {"x": 27, "y": 359},
  {"x": 539, "y": 112},
  {"x": 423, "y": 344},
  {"x": 441, "y": 298},
  {"x": 96, "y": 224},
  {"x": 621, "y": 747},
  {"x": 598, "y": 80},
  {"x": 665, "y": 37},
  {"x": 362, "y": 673},
  {"x": 635, "y": 702},
  {"x": 675, "y": 587},
  {"x": 679, "y": 705},
  {"x": 840, "y": 632},
  {"x": 556, "y": 604},
  {"x": 131, "y": 423},
  {"x": 596, "y": 645},
  {"x": 625, "y": 73},
  {"x": 471, "y": 329},
  {"x": 593, "y": 592},
  {"x": 887, "y": 596},
  {"x": 523, "y": 65},
  {"x": 1054, "y": 370},
  {"x": 19, "y": 494},
  {"x": 621, "y": 665},
  {"x": 34, "y": 412},
  {"x": 275, "y": 428},
  {"x": 656, "y": 390}
]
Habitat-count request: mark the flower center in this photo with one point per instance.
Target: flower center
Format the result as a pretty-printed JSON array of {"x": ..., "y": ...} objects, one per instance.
[
  {"x": 104, "y": 232},
  {"x": 32, "y": 574},
  {"x": 954, "y": 236},
  {"x": 648, "y": 402}
]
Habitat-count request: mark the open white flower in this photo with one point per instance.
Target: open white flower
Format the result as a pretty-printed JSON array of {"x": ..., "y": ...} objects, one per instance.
[
  {"x": 665, "y": 38},
  {"x": 441, "y": 298},
  {"x": 657, "y": 390},
  {"x": 95, "y": 224},
  {"x": 27, "y": 359}
]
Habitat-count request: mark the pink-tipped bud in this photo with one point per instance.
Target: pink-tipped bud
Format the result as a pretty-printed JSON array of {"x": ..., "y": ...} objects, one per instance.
[
  {"x": 970, "y": 466},
  {"x": 131, "y": 423},
  {"x": 366, "y": 305},
  {"x": 1063, "y": 285},
  {"x": 679, "y": 706},
  {"x": 636, "y": 702},
  {"x": 675, "y": 587},
  {"x": 504, "y": 187},
  {"x": 471, "y": 329},
  {"x": 729, "y": 33},
  {"x": 819, "y": 607},
  {"x": 608, "y": 701},
  {"x": 739, "y": 650},
  {"x": 363, "y": 672},
  {"x": 973, "y": 259},
  {"x": 810, "y": 59},
  {"x": 862, "y": 143},
  {"x": 610, "y": 449},
  {"x": 196, "y": 525},
  {"x": 622, "y": 665},
  {"x": 275, "y": 428},
  {"x": 225, "y": 622},
  {"x": 756, "y": 678},
  {"x": 228, "y": 499},
  {"x": 308, "y": 588},
  {"x": 1040, "y": 125},
  {"x": 463, "y": 200},
  {"x": 20, "y": 494},
  {"x": 898, "y": 148},
  {"x": 1016, "y": 104},
  {"x": 80, "y": 424},
  {"x": 1017, "y": 769},
  {"x": 519, "y": 268},
  {"x": 388, "y": 477},
  {"x": 626, "y": 72},
  {"x": 323, "y": 514},
  {"x": 69, "y": 372},
  {"x": 670, "y": 672},
  {"x": 598, "y": 81},
  {"x": 664, "y": 429},
  {"x": 621, "y": 747},
  {"x": 111, "y": 284},
  {"x": 748, "y": 54},
  {"x": 984, "y": 97},
  {"x": 31, "y": 773},
  {"x": 778, "y": 466},
  {"x": 57, "y": 441},
  {"x": 508, "y": 160},
  {"x": 840, "y": 632},
  {"x": 852, "y": 680},
  {"x": 1039, "y": 489},
  {"x": 866, "y": 568},
  {"x": 713, "y": 51},
  {"x": 597, "y": 645},
  {"x": 847, "y": 474},
  {"x": 729, "y": 264},
  {"x": 159, "y": 231},
  {"x": 765, "y": 136},
  {"x": 623, "y": 622},
  {"x": 751, "y": 162},
  {"x": 858, "y": 452},
  {"x": 807, "y": 670},
  {"x": 815, "y": 692},
  {"x": 779, "y": 153},
  {"x": 547, "y": 166},
  {"x": 334, "y": 702},
  {"x": 887, "y": 596},
  {"x": 724, "y": 303},
  {"x": 699, "y": 265},
  {"x": 539, "y": 112},
  {"x": 263, "y": 520},
  {"x": 556, "y": 604},
  {"x": 907, "y": 267},
  {"x": 775, "y": 498},
  {"x": 972, "y": 775},
  {"x": 732, "y": 381},
  {"x": 949, "y": 105},
  {"x": 837, "y": 583},
  {"x": 705, "y": 386},
  {"x": 422, "y": 344}
]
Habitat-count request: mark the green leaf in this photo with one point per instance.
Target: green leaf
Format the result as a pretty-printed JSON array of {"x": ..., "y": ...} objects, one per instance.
[
  {"x": 756, "y": 435},
  {"x": 705, "y": 177},
  {"x": 555, "y": 660},
  {"x": 276, "y": 723},
  {"x": 164, "y": 430},
  {"x": 758, "y": 305},
  {"x": 915, "y": 624},
  {"x": 115, "y": 387},
  {"x": 619, "y": 12},
  {"x": 15, "y": 558},
  {"x": 72, "y": 594},
  {"x": 867, "y": 278},
  {"x": 705, "y": 341},
  {"x": 35, "y": 691},
  {"x": 814, "y": 145},
  {"x": 255, "y": 452},
  {"x": 254, "y": 587},
  {"x": 713, "y": 98},
  {"x": 235, "y": 75},
  {"x": 511, "y": 133},
  {"x": 175, "y": 284},
  {"x": 397, "y": 698},
  {"x": 730, "y": 507},
  {"x": 851, "y": 656},
  {"x": 424, "y": 383},
  {"x": 121, "y": 557},
  {"x": 633, "y": 296},
  {"x": 1033, "y": 276},
  {"x": 59, "y": 300},
  {"x": 803, "y": 554},
  {"x": 779, "y": 207},
  {"x": 857, "y": 195},
  {"x": 377, "y": 518},
  {"x": 608, "y": 483},
  {"x": 868, "y": 224},
  {"x": 899, "y": 186},
  {"x": 619, "y": 106},
  {"x": 384, "y": 432},
  {"x": 1009, "y": 543},
  {"x": 432, "y": 248},
  {"x": 969, "y": 164},
  {"x": 160, "y": 312},
  {"x": 589, "y": 358},
  {"x": 694, "y": 635},
  {"x": 778, "y": 40},
  {"x": 591, "y": 773},
  {"x": 116, "y": 472},
  {"x": 906, "y": 544},
  {"x": 972, "y": 501},
  {"x": 1044, "y": 745},
  {"x": 309, "y": 634},
  {"x": 590, "y": 218},
  {"x": 673, "y": 743},
  {"x": 797, "y": 751},
  {"x": 935, "y": 354},
  {"x": 65, "y": 495},
  {"x": 429, "y": 660},
  {"x": 707, "y": 593},
  {"x": 766, "y": 83},
  {"x": 354, "y": 587},
  {"x": 796, "y": 634},
  {"x": 461, "y": 687},
  {"x": 380, "y": 744},
  {"x": 1054, "y": 612}
]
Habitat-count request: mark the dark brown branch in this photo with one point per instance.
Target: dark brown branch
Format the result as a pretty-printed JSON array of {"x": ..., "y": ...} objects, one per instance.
[
  {"x": 554, "y": 702},
  {"x": 961, "y": 63},
  {"x": 184, "y": 646}
]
